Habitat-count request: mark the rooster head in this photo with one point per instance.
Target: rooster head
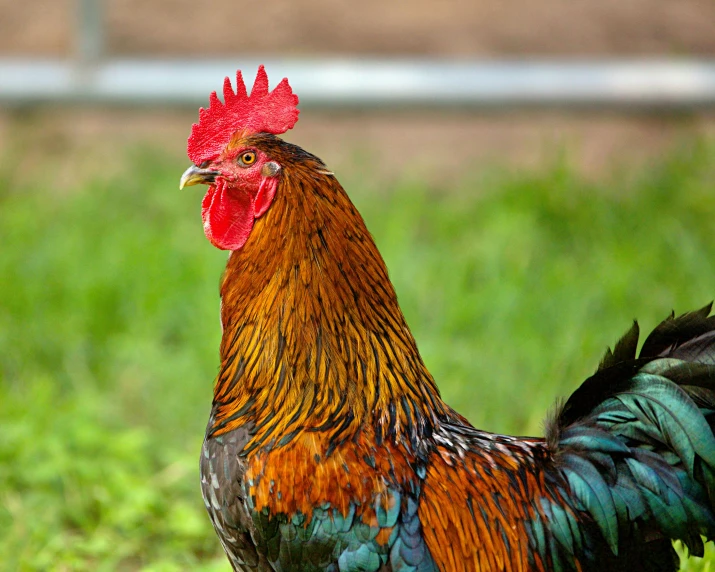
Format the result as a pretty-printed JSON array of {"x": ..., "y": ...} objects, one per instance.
[{"x": 242, "y": 178}]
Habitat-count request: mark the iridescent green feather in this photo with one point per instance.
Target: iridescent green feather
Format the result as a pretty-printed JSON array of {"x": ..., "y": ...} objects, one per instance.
[{"x": 635, "y": 444}]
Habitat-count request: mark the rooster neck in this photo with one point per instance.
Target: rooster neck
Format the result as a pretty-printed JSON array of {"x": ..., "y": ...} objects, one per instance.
[{"x": 313, "y": 336}]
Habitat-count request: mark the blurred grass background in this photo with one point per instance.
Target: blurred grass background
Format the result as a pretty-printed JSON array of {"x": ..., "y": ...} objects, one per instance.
[{"x": 513, "y": 280}]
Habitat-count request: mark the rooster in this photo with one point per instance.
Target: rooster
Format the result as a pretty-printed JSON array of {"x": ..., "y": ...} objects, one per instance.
[{"x": 328, "y": 446}]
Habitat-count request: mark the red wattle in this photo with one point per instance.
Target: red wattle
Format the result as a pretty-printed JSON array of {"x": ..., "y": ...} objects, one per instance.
[
  {"x": 265, "y": 194},
  {"x": 228, "y": 216}
]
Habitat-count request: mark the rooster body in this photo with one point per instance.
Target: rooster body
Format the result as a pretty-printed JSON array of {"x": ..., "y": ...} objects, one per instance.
[{"x": 328, "y": 445}]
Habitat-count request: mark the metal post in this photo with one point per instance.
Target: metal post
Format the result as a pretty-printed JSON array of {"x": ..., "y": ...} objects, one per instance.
[{"x": 90, "y": 33}]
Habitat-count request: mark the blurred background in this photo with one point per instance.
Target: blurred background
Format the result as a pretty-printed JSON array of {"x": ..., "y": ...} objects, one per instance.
[{"x": 536, "y": 175}]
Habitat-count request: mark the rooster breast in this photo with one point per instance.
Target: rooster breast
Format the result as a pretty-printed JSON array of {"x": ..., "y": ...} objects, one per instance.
[{"x": 354, "y": 510}]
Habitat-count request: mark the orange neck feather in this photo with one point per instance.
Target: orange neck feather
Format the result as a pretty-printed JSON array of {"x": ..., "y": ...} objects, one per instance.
[{"x": 313, "y": 336}]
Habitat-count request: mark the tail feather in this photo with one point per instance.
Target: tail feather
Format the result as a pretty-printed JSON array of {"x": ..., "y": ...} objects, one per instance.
[
  {"x": 635, "y": 442},
  {"x": 673, "y": 336},
  {"x": 624, "y": 350}
]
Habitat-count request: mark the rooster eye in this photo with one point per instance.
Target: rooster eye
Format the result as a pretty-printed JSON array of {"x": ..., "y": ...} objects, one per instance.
[{"x": 248, "y": 158}]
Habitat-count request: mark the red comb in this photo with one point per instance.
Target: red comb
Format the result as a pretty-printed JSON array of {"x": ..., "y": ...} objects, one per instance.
[{"x": 261, "y": 112}]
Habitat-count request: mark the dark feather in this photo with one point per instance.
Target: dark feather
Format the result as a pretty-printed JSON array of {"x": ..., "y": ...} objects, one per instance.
[
  {"x": 625, "y": 349},
  {"x": 673, "y": 332}
]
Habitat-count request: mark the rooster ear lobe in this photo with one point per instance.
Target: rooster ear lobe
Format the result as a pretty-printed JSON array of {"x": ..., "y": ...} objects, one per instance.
[
  {"x": 270, "y": 169},
  {"x": 264, "y": 196}
]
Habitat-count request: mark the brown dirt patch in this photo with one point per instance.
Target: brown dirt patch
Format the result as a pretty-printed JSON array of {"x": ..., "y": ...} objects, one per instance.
[
  {"x": 371, "y": 27},
  {"x": 374, "y": 148}
]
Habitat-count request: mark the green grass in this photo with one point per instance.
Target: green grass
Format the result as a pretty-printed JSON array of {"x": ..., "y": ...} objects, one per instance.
[{"x": 513, "y": 284}]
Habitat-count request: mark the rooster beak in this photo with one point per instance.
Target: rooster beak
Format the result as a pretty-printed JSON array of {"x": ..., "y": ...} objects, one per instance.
[{"x": 196, "y": 176}]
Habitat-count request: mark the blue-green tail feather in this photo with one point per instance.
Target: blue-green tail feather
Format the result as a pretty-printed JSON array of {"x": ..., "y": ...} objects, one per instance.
[{"x": 635, "y": 447}]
